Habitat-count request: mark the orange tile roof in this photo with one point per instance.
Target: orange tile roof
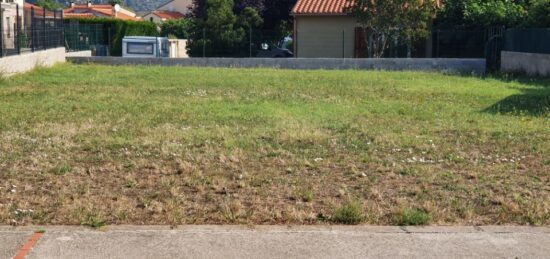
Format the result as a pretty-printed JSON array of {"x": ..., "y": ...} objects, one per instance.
[
  {"x": 91, "y": 11},
  {"x": 324, "y": 7},
  {"x": 320, "y": 7},
  {"x": 38, "y": 11},
  {"x": 168, "y": 15},
  {"x": 77, "y": 15}
]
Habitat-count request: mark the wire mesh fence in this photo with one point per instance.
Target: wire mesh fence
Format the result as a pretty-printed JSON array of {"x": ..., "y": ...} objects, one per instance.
[
  {"x": 87, "y": 36},
  {"x": 209, "y": 42},
  {"x": 29, "y": 29}
]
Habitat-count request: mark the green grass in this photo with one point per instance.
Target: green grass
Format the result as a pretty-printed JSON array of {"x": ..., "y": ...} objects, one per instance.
[{"x": 172, "y": 145}]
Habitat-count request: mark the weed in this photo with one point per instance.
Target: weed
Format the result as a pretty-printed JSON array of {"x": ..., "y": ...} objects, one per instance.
[
  {"x": 350, "y": 213},
  {"x": 413, "y": 217},
  {"x": 304, "y": 194},
  {"x": 93, "y": 219},
  {"x": 62, "y": 169},
  {"x": 131, "y": 183}
]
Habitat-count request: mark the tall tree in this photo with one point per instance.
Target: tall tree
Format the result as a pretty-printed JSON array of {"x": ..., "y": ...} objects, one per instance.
[
  {"x": 221, "y": 32},
  {"x": 49, "y": 4},
  {"x": 539, "y": 14},
  {"x": 480, "y": 14},
  {"x": 274, "y": 13},
  {"x": 257, "y": 5},
  {"x": 385, "y": 20}
]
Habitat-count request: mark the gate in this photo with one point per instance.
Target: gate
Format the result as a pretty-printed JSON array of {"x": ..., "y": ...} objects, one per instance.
[{"x": 493, "y": 47}]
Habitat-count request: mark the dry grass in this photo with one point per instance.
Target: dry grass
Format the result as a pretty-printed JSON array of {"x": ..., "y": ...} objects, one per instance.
[{"x": 97, "y": 145}]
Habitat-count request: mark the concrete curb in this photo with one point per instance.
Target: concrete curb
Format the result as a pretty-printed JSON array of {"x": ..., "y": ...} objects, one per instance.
[{"x": 284, "y": 229}]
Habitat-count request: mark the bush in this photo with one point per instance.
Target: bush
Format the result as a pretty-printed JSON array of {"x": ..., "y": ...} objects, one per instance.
[
  {"x": 539, "y": 14},
  {"x": 350, "y": 213},
  {"x": 116, "y": 30},
  {"x": 223, "y": 33},
  {"x": 177, "y": 28},
  {"x": 413, "y": 217}
]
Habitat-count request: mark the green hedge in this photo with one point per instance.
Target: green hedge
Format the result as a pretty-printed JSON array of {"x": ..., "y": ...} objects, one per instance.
[{"x": 117, "y": 29}]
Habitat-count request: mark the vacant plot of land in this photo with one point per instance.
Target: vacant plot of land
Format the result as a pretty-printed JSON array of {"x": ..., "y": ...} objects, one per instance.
[{"x": 98, "y": 145}]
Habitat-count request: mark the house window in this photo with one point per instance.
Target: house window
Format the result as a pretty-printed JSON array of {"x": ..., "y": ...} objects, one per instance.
[{"x": 140, "y": 48}]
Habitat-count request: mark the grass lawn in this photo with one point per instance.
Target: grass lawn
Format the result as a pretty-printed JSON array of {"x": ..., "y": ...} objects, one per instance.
[{"x": 95, "y": 145}]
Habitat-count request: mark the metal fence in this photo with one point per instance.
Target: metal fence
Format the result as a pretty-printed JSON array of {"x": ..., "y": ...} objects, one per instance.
[
  {"x": 87, "y": 36},
  {"x": 29, "y": 29},
  {"x": 528, "y": 40}
]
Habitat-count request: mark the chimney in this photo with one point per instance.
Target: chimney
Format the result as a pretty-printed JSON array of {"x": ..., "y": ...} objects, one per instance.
[
  {"x": 71, "y": 4},
  {"x": 89, "y": 3},
  {"x": 116, "y": 9}
]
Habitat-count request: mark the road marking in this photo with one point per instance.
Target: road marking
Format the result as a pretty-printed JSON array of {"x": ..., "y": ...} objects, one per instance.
[{"x": 28, "y": 246}]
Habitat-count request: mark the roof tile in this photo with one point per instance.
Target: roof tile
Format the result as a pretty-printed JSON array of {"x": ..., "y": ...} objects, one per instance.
[{"x": 320, "y": 7}]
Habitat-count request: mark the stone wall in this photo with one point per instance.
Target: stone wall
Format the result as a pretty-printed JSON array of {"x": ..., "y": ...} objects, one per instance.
[
  {"x": 525, "y": 63},
  {"x": 476, "y": 66}
]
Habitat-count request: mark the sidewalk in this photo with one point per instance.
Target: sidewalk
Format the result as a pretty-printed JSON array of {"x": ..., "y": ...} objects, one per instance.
[{"x": 278, "y": 242}]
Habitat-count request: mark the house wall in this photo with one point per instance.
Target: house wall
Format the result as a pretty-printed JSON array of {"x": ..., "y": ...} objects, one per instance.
[
  {"x": 9, "y": 13},
  {"x": 325, "y": 36},
  {"x": 177, "y": 6},
  {"x": 156, "y": 19}
]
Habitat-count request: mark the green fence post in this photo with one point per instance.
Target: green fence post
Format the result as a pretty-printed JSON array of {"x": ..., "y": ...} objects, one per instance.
[
  {"x": 1, "y": 34},
  {"x": 17, "y": 30},
  {"x": 203, "y": 42},
  {"x": 343, "y": 44},
  {"x": 44, "y": 27}
]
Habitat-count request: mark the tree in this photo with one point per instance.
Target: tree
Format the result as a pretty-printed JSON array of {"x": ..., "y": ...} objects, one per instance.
[
  {"x": 116, "y": 2},
  {"x": 274, "y": 13},
  {"x": 221, "y": 32},
  {"x": 539, "y": 14},
  {"x": 257, "y": 5},
  {"x": 386, "y": 20},
  {"x": 178, "y": 28},
  {"x": 198, "y": 10},
  {"x": 481, "y": 14},
  {"x": 49, "y": 4}
]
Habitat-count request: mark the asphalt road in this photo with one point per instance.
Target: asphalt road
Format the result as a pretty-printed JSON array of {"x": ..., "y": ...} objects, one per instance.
[{"x": 279, "y": 242}]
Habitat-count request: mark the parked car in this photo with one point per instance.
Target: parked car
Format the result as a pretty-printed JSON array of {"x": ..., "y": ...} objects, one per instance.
[
  {"x": 145, "y": 47},
  {"x": 270, "y": 51},
  {"x": 274, "y": 52}
]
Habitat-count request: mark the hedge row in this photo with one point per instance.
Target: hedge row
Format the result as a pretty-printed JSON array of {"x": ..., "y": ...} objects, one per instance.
[{"x": 117, "y": 29}]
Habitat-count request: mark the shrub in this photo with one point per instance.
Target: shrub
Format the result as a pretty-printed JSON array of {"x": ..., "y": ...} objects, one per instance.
[
  {"x": 349, "y": 213},
  {"x": 413, "y": 217},
  {"x": 93, "y": 219},
  {"x": 178, "y": 29}
]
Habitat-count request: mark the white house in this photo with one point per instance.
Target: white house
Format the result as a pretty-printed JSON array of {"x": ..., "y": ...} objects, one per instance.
[
  {"x": 8, "y": 14},
  {"x": 173, "y": 9}
]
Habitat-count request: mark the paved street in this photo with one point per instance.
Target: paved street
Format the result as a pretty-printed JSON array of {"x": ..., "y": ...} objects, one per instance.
[{"x": 279, "y": 242}]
